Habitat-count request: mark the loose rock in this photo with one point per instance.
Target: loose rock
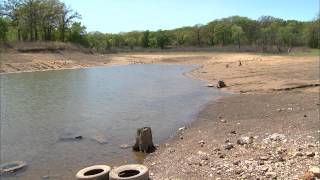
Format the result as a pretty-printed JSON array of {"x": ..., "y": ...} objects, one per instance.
[
  {"x": 315, "y": 170},
  {"x": 228, "y": 146},
  {"x": 124, "y": 146},
  {"x": 310, "y": 154},
  {"x": 271, "y": 174},
  {"x": 221, "y": 84},
  {"x": 245, "y": 140}
]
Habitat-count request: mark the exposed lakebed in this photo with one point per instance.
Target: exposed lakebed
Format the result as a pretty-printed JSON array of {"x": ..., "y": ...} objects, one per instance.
[{"x": 101, "y": 108}]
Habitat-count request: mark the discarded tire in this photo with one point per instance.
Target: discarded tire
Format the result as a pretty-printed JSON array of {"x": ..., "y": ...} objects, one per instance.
[
  {"x": 96, "y": 172},
  {"x": 130, "y": 172},
  {"x": 11, "y": 167}
]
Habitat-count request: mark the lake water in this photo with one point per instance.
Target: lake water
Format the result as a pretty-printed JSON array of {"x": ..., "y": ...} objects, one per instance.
[{"x": 39, "y": 108}]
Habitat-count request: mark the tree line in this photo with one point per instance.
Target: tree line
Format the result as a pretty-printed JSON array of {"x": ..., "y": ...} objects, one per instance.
[{"x": 52, "y": 20}]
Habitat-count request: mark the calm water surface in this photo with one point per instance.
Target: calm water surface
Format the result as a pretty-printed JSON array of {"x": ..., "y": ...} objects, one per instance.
[{"x": 39, "y": 108}]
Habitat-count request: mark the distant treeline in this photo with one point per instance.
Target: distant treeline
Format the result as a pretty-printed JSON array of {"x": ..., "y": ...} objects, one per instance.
[{"x": 52, "y": 20}]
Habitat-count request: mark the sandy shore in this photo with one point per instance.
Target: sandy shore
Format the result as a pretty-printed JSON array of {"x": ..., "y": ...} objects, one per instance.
[{"x": 273, "y": 94}]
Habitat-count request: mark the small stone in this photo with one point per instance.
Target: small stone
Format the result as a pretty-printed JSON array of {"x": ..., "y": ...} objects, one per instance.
[
  {"x": 182, "y": 128},
  {"x": 245, "y": 140},
  {"x": 228, "y": 146},
  {"x": 124, "y": 146},
  {"x": 239, "y": 171},
  {"x": 311, "y": 145},
  {"x": 223, "y": 121},
  {"x": 298, "y": 154},
  {"x": 282, "y": 150},
  {"x": 308, "y": 176},
  {"x": 181, "y": 137},
  {"x": 236, "y": 162},
  {"x": 280, "y": 109},
  {"x": 271, "y": 174},
  {"x": 203, "y": 155},
  {"x": 310, "y": 154},
  {"x": 305, "y": 115},
  {"x": 264, "y": 158},
  {"x": 233, "y": 132},
  {"x": 276, "y": 137},
  {"x": 209, "y": 85},
  {"x": 315, "y": 170},
  {"x": 280, "y": 159},
  {"x": 260, "y": 162},
  {"x": 171, "y": 150},
  {"x": 201, "y": 143},
  {"x": 222, "y": 156},
  {"x": 264, "y": 169}
]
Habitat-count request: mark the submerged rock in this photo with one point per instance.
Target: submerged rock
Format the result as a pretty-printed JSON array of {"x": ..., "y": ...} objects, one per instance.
[
  {"x": 100, "y": 138},
  {"x": 124, "y": 146},
  {"x": 69, "y": 136}
]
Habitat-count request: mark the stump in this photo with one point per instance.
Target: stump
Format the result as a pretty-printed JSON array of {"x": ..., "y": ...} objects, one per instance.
[
  {"x": 144, "y": 140},
  {"x": 221, "y": 84}
]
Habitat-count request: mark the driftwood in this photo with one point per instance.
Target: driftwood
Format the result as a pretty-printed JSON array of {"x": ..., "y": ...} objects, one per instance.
[{"x": 144, "y": 141}]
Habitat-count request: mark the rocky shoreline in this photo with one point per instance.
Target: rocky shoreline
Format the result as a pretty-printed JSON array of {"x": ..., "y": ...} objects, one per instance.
[{"x": 246, "y": 136}]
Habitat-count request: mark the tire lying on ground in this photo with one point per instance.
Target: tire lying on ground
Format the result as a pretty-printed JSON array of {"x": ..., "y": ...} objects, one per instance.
[
  {"x": 11, "y": 167},
  {"x": 96, "y": 172},
  {"x": 130, "y": 172}
]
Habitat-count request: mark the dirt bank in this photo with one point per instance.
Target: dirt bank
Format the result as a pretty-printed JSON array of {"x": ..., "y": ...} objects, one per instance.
[
  {"x": 256, "y": 73},
  {"x": 274, "y": 94}
]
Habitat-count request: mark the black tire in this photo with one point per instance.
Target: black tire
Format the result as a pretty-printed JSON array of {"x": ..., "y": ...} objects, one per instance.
[
  {"x": 130, "y": 172},
  {"x": 11, "y": 167},
  {"x": 96, "y": 172}
]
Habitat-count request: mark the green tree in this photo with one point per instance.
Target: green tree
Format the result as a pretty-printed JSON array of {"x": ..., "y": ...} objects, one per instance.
[
  {"x": 78, "y": 34},
  {"x": 145, "y": 39},
  {"x": 237, "y": 34},
  {"x": 162, "y": 39},
  {"x": 313, "y": 34},
  {"x": 3, "y": 29}
]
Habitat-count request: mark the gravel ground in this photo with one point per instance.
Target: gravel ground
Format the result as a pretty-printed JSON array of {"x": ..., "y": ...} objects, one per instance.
[{"x": 245, "y": 136}]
